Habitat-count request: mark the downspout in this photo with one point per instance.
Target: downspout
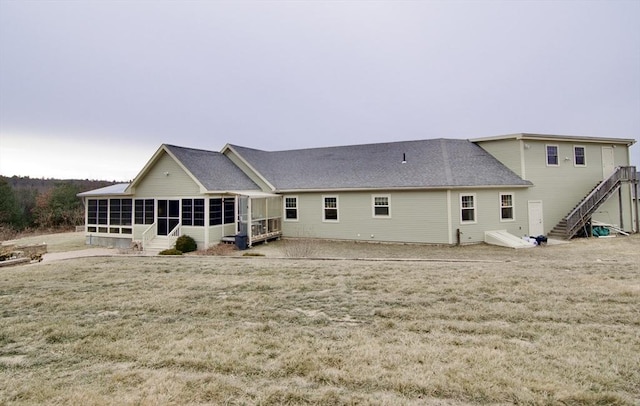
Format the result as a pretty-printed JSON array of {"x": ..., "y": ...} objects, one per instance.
[
  {"x": 635, "y": 185},
  {"x": 620, "y": 209}
]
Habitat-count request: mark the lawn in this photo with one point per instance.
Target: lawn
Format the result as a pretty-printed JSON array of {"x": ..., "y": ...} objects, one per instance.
[{"x": 552, "y": 325}]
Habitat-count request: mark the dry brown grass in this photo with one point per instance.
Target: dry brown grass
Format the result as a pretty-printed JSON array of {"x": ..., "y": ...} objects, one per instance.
[
  {"x": 218, "y": 250},
  {"x": 554, "y": 325}
]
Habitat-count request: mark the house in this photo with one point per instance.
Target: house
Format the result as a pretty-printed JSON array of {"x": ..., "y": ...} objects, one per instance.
[{"x": 438, "y": 191}]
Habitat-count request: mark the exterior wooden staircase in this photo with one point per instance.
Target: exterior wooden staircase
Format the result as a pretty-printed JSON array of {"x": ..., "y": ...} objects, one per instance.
[{"x": 581, "y": 214}]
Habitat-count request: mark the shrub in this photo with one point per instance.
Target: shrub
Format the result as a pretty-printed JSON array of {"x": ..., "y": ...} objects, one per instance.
[
  {"x": 170, "y": 251},
  {"x": 185, "y": 243},
  {"x": 300, "y": 248}
]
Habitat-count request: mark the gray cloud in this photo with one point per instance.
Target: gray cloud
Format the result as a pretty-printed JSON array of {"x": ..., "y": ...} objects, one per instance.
[{"x": 278, "y": 75}]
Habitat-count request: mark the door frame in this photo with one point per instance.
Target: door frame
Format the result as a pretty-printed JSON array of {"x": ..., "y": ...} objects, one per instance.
[
  {"x": 172, "y": 219},
  {"x": 606, "y": 169},
  {"x": 535, "y": 222}
]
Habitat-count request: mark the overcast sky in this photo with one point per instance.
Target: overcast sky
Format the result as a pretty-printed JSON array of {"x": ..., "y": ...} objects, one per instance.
[{"x": 90, "y": 89}]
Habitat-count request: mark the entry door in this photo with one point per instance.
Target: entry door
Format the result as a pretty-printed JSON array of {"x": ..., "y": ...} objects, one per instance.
[
  {"x": 608, "y": 163},
  {"x": 536, "y": 227},
  {"x": 168, "y": 215}
]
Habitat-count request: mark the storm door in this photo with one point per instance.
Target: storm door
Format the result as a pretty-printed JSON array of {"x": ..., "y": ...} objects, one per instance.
[{"x": 168, "y": 216}]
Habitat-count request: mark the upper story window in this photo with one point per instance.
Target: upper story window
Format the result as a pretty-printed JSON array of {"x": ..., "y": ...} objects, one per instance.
[
  {"x": 552, "y": 155},
  {"x": 381, "y": 206},
  {"x": 291, "y": 208},
  {"x": 468, "y": 208},
  {"x": 579, "y": 158},
  {"x": 506, "y": 206},
  {"x": 330, "y": 208}
]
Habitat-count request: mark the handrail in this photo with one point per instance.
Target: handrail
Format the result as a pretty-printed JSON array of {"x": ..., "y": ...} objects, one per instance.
[
  {"x": 149, "y": 234},
  {"x": 593, "y": 200},
  {"x": 174, "y": 234}
]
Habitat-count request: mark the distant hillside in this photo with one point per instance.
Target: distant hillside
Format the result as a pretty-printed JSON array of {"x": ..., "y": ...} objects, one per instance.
[{"x": 43, "y": 185}]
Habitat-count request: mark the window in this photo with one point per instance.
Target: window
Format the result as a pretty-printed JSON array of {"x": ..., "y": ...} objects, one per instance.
[
  {"x": 579, "y": 156},
  {"x": 92, "y": 211},
  {"x": 222, "y": 209},
  {"x": 552, "y": 155},
  {"x": 330, "y": 211},
  {"x": 98, "y": 211},
  {"x": 467, "y": 208},
  {"x": 291, "y": 208},
  {"x": 144, "y": 211},
  {"x": 193, "y": 212},
  {"x": 120, "y": 212},
  {"x": 381, "y": 207},
  {"x": 229, "y": 210},
  {"x": 215, "y": 212},
  {"x": 506, "y": 206}
]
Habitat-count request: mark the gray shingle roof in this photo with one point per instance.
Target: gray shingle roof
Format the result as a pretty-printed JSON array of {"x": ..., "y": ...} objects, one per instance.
[
  {"x": 117, "y": 189},
  {"x": 429, "y": 164},
  {"x": 214, "y": 170}
]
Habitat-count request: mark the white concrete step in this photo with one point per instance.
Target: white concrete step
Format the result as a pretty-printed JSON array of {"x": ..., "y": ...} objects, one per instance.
[{"x": 157, "y": 244}]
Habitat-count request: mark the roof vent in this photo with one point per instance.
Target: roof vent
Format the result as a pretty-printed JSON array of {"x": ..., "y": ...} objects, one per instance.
[{"x": 404, "y": 158}]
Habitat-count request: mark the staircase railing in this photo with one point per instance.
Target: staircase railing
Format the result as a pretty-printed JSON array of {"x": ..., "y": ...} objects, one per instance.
[
  {"x": 149, "y": 234},
  {"x": 174, "y": 234},
  {"x": 581, "y": 214}
]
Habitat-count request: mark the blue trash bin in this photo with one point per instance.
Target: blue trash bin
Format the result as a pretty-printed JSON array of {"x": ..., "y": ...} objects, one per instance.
[{"x": 242, "y": 241}]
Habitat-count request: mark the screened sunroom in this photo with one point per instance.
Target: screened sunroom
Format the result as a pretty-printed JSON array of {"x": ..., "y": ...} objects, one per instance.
[{"x": 259, "y": 216}]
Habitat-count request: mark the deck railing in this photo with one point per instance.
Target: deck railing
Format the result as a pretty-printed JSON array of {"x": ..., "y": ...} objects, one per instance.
[
  {"x": 581, "y": 214},
  {"x": 149, "y": 234}
]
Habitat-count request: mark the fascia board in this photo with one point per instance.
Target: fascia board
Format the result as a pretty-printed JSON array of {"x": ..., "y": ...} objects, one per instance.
[
  {"x": 379, "y": 189},
  {"x": 557, "y": 138}
]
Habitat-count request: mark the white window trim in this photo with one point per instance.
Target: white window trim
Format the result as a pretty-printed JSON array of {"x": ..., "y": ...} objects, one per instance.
[
  {"x": 584, "y": 157},
  {"x": 475, "y": 208},
  {"x": 546, "y": 154},
  {"x": 284, "y": 208},
  {"x": 373, "y": 207},
  {"x": 513, "y": 207},
  {"x": 324, "y": 220}
]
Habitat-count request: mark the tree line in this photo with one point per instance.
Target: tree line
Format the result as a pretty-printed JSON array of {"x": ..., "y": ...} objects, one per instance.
[{"x": 42, "y": 204}]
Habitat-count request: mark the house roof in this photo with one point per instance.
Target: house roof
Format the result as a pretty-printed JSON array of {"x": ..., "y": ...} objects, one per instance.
[
  {"x": 117, "y": 189},
  {"x": 436, "y": 163},
  {"x": 213, "y": 170},
  {"x": 557, "y": 138}
]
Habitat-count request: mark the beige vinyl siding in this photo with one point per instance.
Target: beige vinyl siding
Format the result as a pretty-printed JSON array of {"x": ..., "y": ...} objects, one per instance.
[
  {"x": 197, "y": 233},
  {"x": 487, "y": 214},
  {"x": 416, "y": 216},
  {"x": 157, "y": 184},
  {"x": 509, "y": 152},
  {"x": 563, "y": 186}
]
